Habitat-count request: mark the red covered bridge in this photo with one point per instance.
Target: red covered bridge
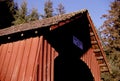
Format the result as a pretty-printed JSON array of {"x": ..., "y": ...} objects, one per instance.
[{"x": 61, "y": 48}]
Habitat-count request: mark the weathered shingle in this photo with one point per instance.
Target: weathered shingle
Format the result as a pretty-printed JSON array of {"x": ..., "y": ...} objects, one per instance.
[{"x": 40, "y": 23}]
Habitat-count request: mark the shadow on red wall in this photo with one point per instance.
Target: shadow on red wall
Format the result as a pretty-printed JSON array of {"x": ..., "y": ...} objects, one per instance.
[{"x": 70, "y": 43}]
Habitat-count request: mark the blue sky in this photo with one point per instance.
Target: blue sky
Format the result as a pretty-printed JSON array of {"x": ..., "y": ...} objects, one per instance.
[{"x": 96, "y": 8}]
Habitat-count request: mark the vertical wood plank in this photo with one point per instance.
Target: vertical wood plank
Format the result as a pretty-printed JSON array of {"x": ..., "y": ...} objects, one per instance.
[
  {"x": 1, "y": 46},
  {"x": 90, "y": 59},
  {"x": 54, "y": 54},
  {"x": 22, "y": 70},
  {"x": 36, "y": 65},
  {"x": 18, "y": 61},
  {"x": 12, "y": 61},
  {"x": 90, "y": 56},
  {"x": 6, "y": 61},
  {"x": 52, "y": 65},
  {"x": 31, "y": 60},
  {"x": 48, "y": 62},
  {"x": 2, "y": 58},
  {"x": 40, "y": 60},
  {"x": 44, "y": 61}
]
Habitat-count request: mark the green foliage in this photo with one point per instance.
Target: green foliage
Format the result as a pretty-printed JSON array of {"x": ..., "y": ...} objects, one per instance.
[
  {"x": 7, "y": 12},
  {"x": 12, "y": 15},
  {"x": 110, "y": 33},
  {"x": 33, "y": 15},
  {"x": 22, "y": 15}
]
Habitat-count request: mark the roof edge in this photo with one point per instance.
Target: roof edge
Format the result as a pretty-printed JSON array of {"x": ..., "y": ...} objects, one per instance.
[
  {"x": 40, "y": 23},
  {"x": 99, "y": 43}
]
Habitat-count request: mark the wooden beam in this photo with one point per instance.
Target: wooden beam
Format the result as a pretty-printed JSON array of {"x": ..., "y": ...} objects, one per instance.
[
  {"x": 96, "y": 50},
  {"x": 94, "y": 33},
  {"x": 91, "y": 33},
  {"x": 102, "y": 65},
  {"x": 93, "y": 42},
  {"x": 105, "y": 69},
  {"x": 100, "y": 57}
]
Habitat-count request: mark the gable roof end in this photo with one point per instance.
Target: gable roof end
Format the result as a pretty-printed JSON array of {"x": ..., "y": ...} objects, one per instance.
[{"x": 48, "y": 22}]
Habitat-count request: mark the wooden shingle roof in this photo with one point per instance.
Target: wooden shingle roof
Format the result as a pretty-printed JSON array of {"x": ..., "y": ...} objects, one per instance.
[
  {"x": 49, "y": 22},
  {"x": 40, "y": 23}
]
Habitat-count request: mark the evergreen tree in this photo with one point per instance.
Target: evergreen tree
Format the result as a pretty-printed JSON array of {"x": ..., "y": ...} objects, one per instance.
[
  {"x": 22, "y": 15},
  {"x": 33, "y": 15},
  {"x": 60, "y": 9},
  {"x": 48, "y": 9},
  {"x": 111, "y": 37},
  {"x": 7, "y": 8}
]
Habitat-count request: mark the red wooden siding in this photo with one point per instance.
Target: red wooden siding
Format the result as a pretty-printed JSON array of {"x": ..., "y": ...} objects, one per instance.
[
  {"x": 27, "y": 60},
  {"x": 46, "y": 58},
  {"x": 18, "y": 59},
  {"x": 90, "y": 59},
  {"x": 33, "y": 60}
]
